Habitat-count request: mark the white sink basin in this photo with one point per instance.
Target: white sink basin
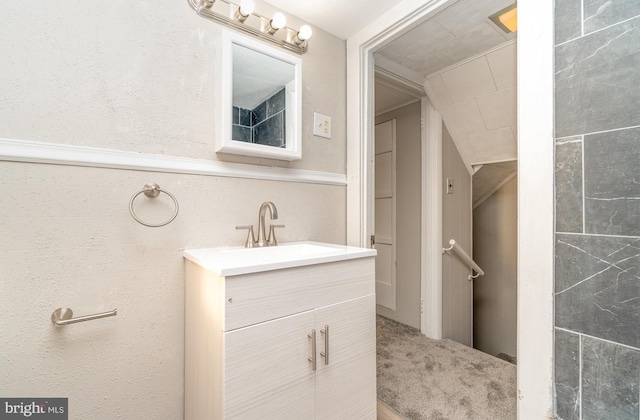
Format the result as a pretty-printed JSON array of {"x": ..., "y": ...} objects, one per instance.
[{"x": 234, "y": 261}]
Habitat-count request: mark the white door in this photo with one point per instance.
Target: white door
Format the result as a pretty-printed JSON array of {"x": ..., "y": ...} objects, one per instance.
[{"x": 385, "y": 213}]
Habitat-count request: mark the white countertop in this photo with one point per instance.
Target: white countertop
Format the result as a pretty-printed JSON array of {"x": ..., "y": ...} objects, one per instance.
[{"x": 239, "y": 260}]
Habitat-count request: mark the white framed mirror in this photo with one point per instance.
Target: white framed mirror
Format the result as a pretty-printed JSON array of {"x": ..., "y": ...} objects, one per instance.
[{"x": 261, "y": 100}]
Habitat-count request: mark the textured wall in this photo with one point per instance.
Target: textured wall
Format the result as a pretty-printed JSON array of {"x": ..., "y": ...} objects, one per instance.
[
  {"x": 140, "y": 76},
  {"x": 132, "y": 76},
  {"x": 495, "y": 246},
  {"x": 597, "y": 284},
  {"x": 408, "y": 206},
  {"x": 457, "y": 290}
]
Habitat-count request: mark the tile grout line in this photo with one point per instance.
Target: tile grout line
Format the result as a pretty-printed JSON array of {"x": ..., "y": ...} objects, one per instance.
[
  {"x": 560, "y": 141},
  {"x": 584, "y": 192},
  {"x": 580, "y": 373},
  {"x": 596, "y": 31},
  {"x": 613, "y": 130},
  {"x": 600, "y": 235},
  {"x": 598, "y": 338},
  {"x": 581, "y": 18}
]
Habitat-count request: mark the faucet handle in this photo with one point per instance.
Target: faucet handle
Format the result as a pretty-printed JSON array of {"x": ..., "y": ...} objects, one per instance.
[
  {"x": 271, "y": 239},
  {"x": 251, "y": 239}
]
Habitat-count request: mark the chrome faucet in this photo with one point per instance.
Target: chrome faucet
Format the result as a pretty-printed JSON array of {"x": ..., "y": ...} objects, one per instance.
[{"x": 263, "y": 239}]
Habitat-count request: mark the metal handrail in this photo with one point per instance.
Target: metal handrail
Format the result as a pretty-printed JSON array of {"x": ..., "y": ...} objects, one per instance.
[{"x": 465, "y": 257}]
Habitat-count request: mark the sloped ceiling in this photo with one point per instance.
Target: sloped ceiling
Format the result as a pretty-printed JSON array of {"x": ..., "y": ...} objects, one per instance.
[
  {"x": 488, "y": 178},
  {"x": 468, "y": 68},
  {"x": 477, "y": 99}
]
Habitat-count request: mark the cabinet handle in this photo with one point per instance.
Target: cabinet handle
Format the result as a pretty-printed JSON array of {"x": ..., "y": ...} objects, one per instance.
[
  {"x": 325, "y": 353},
  {"x": 312, "y": 359}
]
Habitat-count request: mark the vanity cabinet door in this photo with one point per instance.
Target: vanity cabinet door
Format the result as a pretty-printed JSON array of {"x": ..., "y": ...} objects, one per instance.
[
  {"x": 267, "y": 374},
  {"x": 346, "y": 387}
]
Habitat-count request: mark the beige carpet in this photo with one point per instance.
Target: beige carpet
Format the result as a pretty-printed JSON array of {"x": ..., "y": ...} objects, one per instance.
[{"x": 430, "y": 379}]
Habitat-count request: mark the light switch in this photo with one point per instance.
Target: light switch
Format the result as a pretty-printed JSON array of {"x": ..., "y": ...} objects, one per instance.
[
  {"x": 321, "y": 125},
  {"x": 449, "y": 185}
]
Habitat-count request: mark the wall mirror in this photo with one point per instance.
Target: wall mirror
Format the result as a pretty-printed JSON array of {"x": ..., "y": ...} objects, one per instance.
[{"x": 261, "y": 96}]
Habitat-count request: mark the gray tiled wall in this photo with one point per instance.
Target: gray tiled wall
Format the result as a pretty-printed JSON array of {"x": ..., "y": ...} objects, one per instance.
[
  {"x": 597, "y": 267},
  {"x": 265, "y": 124}
]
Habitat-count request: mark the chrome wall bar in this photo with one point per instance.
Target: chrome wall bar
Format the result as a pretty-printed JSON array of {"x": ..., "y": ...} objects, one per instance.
[
  {"x": 64, "y": 316},
  {"x": 465, "y": 257}
]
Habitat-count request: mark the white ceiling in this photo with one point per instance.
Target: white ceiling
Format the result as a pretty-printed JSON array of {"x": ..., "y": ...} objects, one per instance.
[
  {"x": 467, "y": 66},
  {"x": 477, "y": 100},
  {"x": 341, "y": 18},
  {"x": 488, "y": 177},
  {"x": 257, "y": 76},
  {"x": 455, "y": 34}
]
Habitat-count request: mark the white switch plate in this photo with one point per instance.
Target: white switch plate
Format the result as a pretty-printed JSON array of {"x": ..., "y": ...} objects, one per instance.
[
  {"x": 449, "y": 185},
  {"x": 321, "y": 125}
]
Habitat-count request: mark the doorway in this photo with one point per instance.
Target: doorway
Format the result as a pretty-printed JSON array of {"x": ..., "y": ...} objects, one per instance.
[
  {"x": 476, "y": 99},
  {"x": 535, "y": 178}
]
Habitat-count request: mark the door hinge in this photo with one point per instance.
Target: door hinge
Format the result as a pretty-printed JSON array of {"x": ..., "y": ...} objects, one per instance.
[{"x": 373, "y": 241}]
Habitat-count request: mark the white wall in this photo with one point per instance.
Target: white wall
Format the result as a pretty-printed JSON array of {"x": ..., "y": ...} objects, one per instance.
[
  {"x": 457, "y": 290},
  {"x": 495, "y": 247},
  {"x": 408, "y": 216},
  {"x": 125, "y": 75}
]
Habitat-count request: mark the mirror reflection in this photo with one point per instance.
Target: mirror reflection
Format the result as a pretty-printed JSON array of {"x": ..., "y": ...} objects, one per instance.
[
  {"x": 261, "y": 84},
  {"x": 261, "y": 100}
]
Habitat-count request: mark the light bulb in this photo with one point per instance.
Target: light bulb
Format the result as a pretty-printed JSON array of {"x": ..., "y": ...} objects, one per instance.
[
  {"x": 510, "y": 19},
  {"x": 305, "y": 33},
  {"x": 247, "y": 7},
  {"x": 278, "y": 21}
]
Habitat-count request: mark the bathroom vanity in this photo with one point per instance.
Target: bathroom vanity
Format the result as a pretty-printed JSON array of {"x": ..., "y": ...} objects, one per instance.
[{"x": 284, "y": 332}]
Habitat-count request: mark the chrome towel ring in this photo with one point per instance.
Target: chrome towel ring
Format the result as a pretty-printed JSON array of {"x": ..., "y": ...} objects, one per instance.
[{"x": 153, "y": 190}]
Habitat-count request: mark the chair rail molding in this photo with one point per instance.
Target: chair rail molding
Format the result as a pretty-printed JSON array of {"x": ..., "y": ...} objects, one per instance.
[{"x": 63, "y": 154}]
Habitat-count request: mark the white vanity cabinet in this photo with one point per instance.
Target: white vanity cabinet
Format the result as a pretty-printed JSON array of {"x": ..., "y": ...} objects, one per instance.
[{"x": 249, "y": 345}]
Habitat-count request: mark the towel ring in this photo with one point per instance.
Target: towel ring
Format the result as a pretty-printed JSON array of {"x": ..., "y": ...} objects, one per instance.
[{"x": 152, "y": 190}]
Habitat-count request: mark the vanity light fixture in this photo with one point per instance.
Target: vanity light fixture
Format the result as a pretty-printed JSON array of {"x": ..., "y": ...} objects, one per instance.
[{"x": 236, "y": 16}]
